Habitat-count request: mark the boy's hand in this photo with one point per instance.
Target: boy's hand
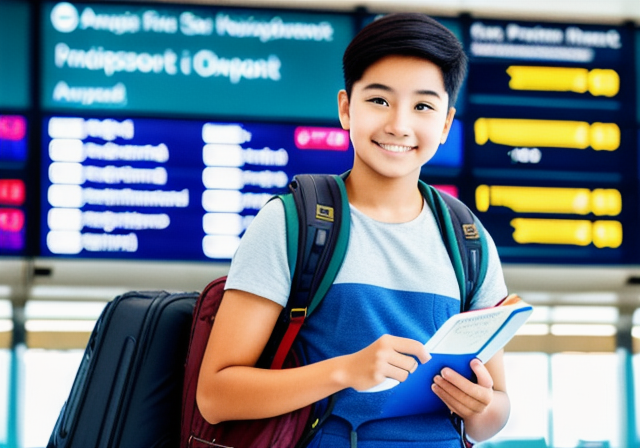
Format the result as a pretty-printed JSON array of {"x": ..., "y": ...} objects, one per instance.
[
  {"x": 462, "y": 396},
  {"x": 388, "y": 357}
]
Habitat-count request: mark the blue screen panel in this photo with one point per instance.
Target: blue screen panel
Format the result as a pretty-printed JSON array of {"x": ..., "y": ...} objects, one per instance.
[{"x": 169, "y": 189}]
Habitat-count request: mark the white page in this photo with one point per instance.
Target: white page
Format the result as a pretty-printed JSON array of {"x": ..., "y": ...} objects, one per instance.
[{"x": 468, "y": 332}]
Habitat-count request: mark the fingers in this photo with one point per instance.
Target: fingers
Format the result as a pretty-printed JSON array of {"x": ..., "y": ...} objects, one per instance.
[
  {"x": 461, "y": 395},
  {"x": 388, "y": 357},
  {"x": 403, "y": 362},
  {"x": 409, "y": 347},
  {"x": 482, "y": 374},
  {"x": 403, "y": 356},
  {"x": 442, "y": 390}
]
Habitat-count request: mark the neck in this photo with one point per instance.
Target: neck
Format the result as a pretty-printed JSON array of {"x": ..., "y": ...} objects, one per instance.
[{"x": 385, "y": 199}]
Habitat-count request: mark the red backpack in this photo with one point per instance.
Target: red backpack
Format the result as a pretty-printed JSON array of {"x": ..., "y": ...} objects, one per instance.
[{"x": 282, "y": 431}]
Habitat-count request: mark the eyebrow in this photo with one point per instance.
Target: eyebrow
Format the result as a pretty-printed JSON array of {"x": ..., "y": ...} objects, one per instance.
[{"x": 386, "y": 88}]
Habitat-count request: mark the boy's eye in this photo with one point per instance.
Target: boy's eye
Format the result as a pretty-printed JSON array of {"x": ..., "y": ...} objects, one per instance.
[
  {"x": 379, "y": 101},
  {"x": 423, "y": 106}
]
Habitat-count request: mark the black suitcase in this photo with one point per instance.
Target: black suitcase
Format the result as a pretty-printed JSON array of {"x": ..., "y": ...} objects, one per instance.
[{"x": 128, "y": 389}]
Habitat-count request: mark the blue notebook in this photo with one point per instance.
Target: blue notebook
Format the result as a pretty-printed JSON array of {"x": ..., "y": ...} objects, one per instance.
[{"x": 463, "y": 337}]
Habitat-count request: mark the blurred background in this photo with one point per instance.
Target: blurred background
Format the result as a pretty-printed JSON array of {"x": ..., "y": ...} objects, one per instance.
[{"x": 138, "y": 140}]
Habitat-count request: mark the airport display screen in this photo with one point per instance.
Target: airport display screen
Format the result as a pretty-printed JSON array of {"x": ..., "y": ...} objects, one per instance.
[
  {"x": 544, "y": 148},
  {"x": 551, "y": 140},
  {"x": 169, "y": 189},
  {"x": 194, "y": 61},
  {"x": 13, "y": 187},
  {"x": 160, "y": 189},
  {"x": 15, "y": 54}
]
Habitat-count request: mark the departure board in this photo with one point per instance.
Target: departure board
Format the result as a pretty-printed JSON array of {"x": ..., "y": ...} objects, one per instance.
[
  {"x": 169, "y": 189},
  {"x": 166, "y": 127},
  {"x": 160, "y": 189},
  {"x": 190, "y": 60},
  {"x": 13, "y": 189},
  {"x": 551, "y": 140}
]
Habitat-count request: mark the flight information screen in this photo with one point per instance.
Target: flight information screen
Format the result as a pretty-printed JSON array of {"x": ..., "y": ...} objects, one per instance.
[
  {"x": 169, "y": 189},
  {"x": 189, "y": 60},
  {"x": 13, "y": 188},
  {"x": 175, "y": 189},
  {"x": 166, "y": 127},
  {"x": 551, "y": 140}
]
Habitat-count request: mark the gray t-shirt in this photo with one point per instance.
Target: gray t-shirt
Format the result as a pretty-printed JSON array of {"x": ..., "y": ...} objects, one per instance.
[{"x": 407, "y": 256}]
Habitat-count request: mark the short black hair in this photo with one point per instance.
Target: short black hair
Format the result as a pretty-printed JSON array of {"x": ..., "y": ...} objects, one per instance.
[{"x": 406, "y": 34}]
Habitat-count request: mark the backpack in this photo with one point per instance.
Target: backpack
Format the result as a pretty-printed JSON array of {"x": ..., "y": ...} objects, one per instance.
[{"x": 317, "y": 238}]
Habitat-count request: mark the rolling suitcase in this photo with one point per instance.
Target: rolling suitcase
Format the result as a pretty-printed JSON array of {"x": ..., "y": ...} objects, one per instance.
[{"x": 127, "y": 392}]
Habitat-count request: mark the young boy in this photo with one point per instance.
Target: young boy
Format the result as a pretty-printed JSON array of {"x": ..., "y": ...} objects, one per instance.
[{"x": 396, "y": 285}]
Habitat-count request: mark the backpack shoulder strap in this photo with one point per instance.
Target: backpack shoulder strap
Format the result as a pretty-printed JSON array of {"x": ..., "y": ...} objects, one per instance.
[
  {"x": 317, "y": 238},
  {"x": 321, "y": 205},
  {"x": 464, "y": 238}
]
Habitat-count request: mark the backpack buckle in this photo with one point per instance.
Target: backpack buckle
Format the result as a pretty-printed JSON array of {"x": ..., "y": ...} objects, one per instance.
[
  {"x": 470, "y": 232},
  {"x": 298, "y": 313}
]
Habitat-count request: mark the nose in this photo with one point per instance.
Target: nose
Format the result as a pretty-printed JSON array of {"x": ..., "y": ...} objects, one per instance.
[{"x": 398, "y": 122}]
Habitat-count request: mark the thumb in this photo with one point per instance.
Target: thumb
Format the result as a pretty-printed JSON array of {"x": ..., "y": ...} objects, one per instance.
[{"x": 483, "y": 376}]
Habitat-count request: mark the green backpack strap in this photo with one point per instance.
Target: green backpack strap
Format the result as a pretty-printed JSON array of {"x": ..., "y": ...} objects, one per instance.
[
  {"x": 320, "y": 207},
  {"x": 335, "y": 252},
  {"x": 317, "y": 239},
  {"x": 464, "y": 238},
  {"x": 292, "y": 228}
]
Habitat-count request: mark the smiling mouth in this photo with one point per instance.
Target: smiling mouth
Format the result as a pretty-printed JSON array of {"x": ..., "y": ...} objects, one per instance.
[{"x": 395, "y": 148}]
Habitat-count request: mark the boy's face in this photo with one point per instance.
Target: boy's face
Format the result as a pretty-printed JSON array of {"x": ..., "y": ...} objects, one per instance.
[{"x": 397, "y": 116}]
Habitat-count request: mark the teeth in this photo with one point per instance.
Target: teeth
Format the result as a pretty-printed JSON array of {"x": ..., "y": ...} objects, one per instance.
[{"x": 396, "y": 148}]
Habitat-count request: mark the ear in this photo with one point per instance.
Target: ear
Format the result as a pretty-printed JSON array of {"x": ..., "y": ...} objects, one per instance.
[
  {"x": 447, "y": 125},
  {"x": 343, "y": 109}
]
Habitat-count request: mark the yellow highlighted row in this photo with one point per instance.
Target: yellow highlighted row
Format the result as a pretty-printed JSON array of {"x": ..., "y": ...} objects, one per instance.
[
  {"x": 579, "y": 201},
  {"x": 547, "y": 133},
  {"x": 565, "y": 231},
  {"x": 598, "y": 82}
]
